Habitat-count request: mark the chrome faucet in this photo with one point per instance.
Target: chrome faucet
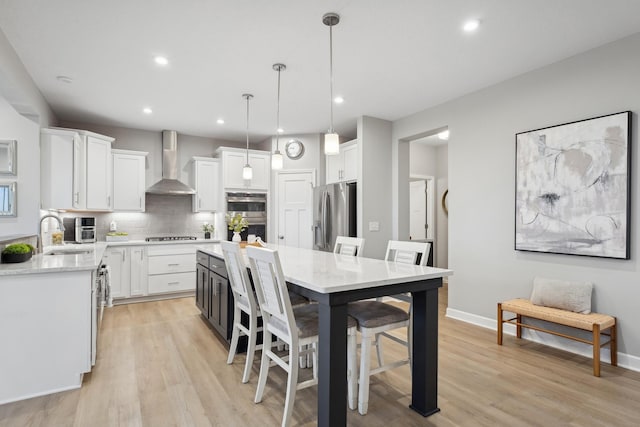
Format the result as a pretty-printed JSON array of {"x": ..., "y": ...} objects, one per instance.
[{"x": 40, "y": 245}]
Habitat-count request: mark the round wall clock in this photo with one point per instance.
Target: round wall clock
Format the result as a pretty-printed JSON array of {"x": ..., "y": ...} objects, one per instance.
[{"x": 294, "y": 149}]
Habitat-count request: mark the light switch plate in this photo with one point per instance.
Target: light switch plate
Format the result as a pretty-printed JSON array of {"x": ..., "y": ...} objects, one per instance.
[{"x": 374, "y": 226}]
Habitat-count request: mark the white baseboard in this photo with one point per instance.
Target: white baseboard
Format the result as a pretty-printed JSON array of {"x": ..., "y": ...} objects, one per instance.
[
  {"x": 40, "y": 393},
  {"x": 627, "y": 361}
]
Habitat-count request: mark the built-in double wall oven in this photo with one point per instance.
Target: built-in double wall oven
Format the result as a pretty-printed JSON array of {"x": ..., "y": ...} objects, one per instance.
[{"x": 252, "y": 206}]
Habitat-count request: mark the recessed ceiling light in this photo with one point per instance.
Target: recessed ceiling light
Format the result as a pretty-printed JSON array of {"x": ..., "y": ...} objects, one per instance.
[
  {"x": 147, "y": 110},
  {"x": 65, "y": 79},
  {"x": 444, "y": 134},
  {"x": 338, "y": 100},
  {"x": 220, "y": 121},
  {"x": 280, "y": 130},
  {"x": 471, "y": 25},
  {"x": 161, "y": 60}
]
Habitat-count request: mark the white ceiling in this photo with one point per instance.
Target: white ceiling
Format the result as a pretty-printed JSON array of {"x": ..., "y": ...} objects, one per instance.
[{"x": 391, "y": 58}]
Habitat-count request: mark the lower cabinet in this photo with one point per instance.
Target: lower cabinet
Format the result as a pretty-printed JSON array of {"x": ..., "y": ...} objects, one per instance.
[
  {"x": 171, "y": 268},
  {"x": 127, "y": 271},
  {"x": 213, "y": 294}
]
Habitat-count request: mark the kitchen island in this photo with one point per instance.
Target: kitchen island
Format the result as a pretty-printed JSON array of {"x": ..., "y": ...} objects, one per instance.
[
  {"x": 335, "y": 280},
  {"x": 45, "y": 322}
]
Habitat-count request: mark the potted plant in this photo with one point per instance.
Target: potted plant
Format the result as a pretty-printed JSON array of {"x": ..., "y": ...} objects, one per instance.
[
  {"x": 237, "y": 223},
  {"x": 208, "y": 229},
  {"x": 17, "y": 252}
]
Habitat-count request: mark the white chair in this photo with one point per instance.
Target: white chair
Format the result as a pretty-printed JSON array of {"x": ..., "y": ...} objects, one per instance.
[
  {"x": 244, "y": 302},
  {"x": 376, "y": 318},
  {"x": 348, "y": 246},
  {"x": 295, "y": 326}
]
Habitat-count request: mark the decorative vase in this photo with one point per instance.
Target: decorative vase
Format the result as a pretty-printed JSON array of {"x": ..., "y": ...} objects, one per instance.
[
  {"x": 236, "y": 237},
  {"x": 207, "y": 235}
]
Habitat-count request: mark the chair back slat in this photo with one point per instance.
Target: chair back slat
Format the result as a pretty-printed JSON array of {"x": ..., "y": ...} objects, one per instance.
[
  {"x": 237, "y": 270},
  {"x": 408, "y": 252},
  {"x": 271, "y": 286},
  {"x": 348, "y": 246}
]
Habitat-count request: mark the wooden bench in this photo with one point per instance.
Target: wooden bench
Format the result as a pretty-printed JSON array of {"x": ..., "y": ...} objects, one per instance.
[{"x": 594, "y": 322}]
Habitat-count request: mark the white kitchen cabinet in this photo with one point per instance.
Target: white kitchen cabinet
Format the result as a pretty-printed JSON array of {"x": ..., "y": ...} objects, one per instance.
[
  {"x": 138, "y": 272},
  {"x": 129, "y": 183},
  {"x": 127, "y": 270},
  {"x": 61, "y": 186},
  {"x": 119, "y": 262},
  {"x": 344, "y": 166},
  {"x": 75, "y": 170},
  {"x": 206, "y": 181},
  {"x": 233, "y": 160},
  {"x": 172, "y": 268},
  {"x": 99, "y": 186}
]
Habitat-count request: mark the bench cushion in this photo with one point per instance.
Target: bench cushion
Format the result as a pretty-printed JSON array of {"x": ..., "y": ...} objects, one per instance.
[
  {"x": 556, "y": 315},
  {"x": 572, "y": 296}
]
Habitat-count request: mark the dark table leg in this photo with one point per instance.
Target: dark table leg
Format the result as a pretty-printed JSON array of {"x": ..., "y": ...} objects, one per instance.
[
  {"x": 424, "y": 384},
  {"x": 332, "y": 366}
]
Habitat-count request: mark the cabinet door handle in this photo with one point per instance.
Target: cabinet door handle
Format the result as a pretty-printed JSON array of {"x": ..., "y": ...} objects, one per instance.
[
  {"x": 199, "y": 202},
  {"x": 140, "y": 199},
  {"x": 108, "y": 201},
  {"x": 142, "y": 255}
]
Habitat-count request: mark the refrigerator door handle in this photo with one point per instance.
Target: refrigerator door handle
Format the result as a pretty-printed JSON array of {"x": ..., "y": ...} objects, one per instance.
[{"x": 326, "y": 219}]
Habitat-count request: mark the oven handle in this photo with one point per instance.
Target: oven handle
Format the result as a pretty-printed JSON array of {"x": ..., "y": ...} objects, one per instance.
[{"x": 246, "y": 199}]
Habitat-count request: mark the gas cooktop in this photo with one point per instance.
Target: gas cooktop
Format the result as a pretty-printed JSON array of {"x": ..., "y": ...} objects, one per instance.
[{"x": 169, "y": 238}]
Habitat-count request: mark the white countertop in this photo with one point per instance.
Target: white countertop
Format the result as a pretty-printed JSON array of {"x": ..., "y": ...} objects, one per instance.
[
  {"x": 40, "y": 263},
  {"x": 326, "y": 272},
  {"x": 43, "y": 263}
]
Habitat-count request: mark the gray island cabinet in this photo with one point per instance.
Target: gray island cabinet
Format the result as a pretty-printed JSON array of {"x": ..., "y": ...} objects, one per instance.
[{"x": 213, "y": 294}]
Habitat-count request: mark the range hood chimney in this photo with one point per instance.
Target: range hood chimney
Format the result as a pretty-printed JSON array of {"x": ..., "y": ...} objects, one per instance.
[{"x": 169, "y": 183}]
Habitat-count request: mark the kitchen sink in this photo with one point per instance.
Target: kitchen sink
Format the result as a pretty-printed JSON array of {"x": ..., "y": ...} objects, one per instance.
[{"x": 69, "y": 252}]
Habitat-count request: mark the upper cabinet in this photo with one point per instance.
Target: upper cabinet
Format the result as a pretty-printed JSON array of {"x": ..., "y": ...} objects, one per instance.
[
  {"x": 128, "y": 180},
  {"x": 206, "y": 182},
  {"x": 234, "y": 159},
  {"x": 75, "y": 170},
  {"x": 343, "y": 166}
]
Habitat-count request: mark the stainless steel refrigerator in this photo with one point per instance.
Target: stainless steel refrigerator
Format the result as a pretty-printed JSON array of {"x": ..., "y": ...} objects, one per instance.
[{"x": 334, "y": 214}]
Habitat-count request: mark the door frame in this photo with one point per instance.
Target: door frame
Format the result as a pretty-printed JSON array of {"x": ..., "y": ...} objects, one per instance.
[
  {"x": 275, "y": 210},
  {"x": 433, "y": 222}
]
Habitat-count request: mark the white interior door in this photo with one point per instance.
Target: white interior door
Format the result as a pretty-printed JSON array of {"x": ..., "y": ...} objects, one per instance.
[
  {"x": 295, "y": 198},
  {"x": 418, "y": 210}
]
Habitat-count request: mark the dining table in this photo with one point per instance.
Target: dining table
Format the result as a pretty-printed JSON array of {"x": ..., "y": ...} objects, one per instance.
[{"x": 333, "y": 281}]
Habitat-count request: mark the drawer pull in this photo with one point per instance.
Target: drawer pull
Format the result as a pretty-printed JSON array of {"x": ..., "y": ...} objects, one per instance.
[
  {"x": 172, "y": 264},
  {"x": 173, "y": 283}
]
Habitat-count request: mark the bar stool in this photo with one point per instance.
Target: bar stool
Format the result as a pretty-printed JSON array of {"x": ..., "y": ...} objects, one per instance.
[
  {"x": 244, "y": 302},
  {"x": 376, "y": 318},
  {"x": 295, "y": 326}
]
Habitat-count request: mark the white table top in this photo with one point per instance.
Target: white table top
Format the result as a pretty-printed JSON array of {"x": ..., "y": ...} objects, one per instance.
[{"x": 326, "y": 272}]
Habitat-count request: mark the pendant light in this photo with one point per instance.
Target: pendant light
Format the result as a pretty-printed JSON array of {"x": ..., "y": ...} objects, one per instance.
[
  {"x": 331, "y": 141},
  {"x": 247, "y": 172},
  {"x": 277, "y": 161}
]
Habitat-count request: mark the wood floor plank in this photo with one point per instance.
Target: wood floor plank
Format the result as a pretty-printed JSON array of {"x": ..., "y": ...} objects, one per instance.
[{"x": 159, "y": 364}]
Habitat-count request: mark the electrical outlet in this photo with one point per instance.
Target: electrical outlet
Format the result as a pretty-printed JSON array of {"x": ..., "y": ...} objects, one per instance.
[{"x": 374, "y": 226}]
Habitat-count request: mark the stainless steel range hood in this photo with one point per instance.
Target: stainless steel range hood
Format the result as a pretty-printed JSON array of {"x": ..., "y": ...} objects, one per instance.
[{"x": 169, "y": 184}]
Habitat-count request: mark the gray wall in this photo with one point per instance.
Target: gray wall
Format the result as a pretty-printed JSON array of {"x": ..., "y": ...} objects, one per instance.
[
  {"x": 374, "y": 184},
  {"x": 481, "y": 179},
  {"x": 22, "y": 111}
]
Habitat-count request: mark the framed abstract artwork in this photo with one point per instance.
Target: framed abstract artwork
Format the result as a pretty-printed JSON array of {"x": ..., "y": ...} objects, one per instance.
[{"x": 573, "y": 188}]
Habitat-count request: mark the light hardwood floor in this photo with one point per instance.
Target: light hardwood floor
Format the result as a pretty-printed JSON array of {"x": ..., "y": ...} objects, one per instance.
[{"x": 160, "y": 365}]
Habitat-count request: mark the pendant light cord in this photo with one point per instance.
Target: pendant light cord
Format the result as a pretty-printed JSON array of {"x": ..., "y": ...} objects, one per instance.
[
  {"x": 248, "y": 97},
  {"x": 331, "y": 76},
  {"x": 278, "y": 115}
]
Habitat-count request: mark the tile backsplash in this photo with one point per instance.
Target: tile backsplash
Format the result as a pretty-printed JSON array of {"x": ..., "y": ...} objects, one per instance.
[{"x": 164, "y": 216}]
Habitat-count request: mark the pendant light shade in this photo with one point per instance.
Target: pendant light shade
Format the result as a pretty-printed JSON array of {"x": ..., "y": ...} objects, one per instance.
[
  {"x": 277, "y": 161},
  {"x": 331, "y": 140},
  {"x": 331, "y": 144},
  {"x": 247, "y": 172}
]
